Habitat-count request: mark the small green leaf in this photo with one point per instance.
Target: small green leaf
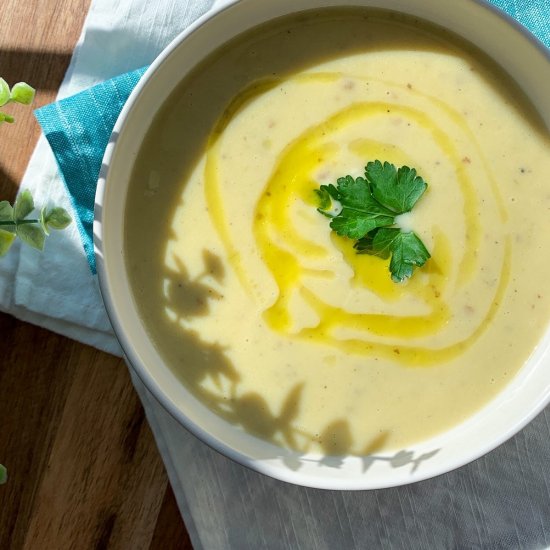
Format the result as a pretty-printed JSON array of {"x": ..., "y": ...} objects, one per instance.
[
  {"x": 3, "y": 474},
  {"x": 360, "y": 212},
  {"x": 330, "y": 190},
  {"x": 57, "y": 218},
  {"x": 6, "y": 211},
  {"x": 32, "y": 234},
  {"x": 329, "y": 205},
  {"x": 4, "y": 92},
  {"x": 4, "y": 117},
  {"x": 354, "y": 193},
  {"x": 398, "y": 190},
  {"x": 42, "y": 221},
  {"x": 24, "y": 205},
  {"x": 22, "y": 93},
  {"x": 377, "y": 242},
  {"x": 6, "y": 240},
  {"x": 355, "y": 225},
  {"x": 408, "y": 252},
  {"x": 324, "y": 197}
]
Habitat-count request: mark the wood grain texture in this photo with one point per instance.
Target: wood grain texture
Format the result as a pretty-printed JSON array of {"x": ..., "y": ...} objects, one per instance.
[
  {"x": 36, "y": 44},
  {"x": 84, "y": 471}
]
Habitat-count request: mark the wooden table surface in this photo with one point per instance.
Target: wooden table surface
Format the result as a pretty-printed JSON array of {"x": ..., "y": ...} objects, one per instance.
[{"x": 84, "y": 471}]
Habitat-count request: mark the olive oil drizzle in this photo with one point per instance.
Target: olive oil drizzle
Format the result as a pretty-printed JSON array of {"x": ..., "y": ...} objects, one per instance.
[{"x": 286, "y": 252}]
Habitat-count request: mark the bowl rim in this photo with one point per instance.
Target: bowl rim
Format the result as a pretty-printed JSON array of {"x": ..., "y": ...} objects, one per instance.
[{"x": 143, "y": 373}]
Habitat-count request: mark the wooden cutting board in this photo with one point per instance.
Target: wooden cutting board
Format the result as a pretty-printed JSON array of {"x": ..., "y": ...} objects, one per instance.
[{"x": 84, "y": 471}]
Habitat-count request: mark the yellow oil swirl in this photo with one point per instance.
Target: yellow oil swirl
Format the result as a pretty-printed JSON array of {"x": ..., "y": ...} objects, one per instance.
[
  {"x": 287, "y": 253},
  {"x": 211, "y": 173}
]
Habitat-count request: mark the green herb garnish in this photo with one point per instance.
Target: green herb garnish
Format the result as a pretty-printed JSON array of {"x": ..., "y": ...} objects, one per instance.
[
  {"x": 406, "y": 249},
  {"x": 14, "y": 222},
  {"x": 365, "y": 209}
]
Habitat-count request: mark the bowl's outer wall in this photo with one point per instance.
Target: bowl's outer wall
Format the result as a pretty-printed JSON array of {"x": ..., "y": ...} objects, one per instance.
[{"x": 508, "y": 44}]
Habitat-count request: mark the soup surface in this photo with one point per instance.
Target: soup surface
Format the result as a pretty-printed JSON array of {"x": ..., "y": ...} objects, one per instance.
[{"x": 268, "y": 316}]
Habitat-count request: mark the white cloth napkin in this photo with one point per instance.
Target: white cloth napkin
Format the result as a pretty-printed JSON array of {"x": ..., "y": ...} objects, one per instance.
[{"x": 501, "y": 501}]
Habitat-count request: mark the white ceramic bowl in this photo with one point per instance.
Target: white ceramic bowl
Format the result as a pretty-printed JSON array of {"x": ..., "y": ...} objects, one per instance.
[{"x": 500, "y": 37}]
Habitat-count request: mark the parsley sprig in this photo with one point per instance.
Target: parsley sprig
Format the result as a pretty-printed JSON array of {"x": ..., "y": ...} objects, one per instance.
[{"x": 365, "y": 209}]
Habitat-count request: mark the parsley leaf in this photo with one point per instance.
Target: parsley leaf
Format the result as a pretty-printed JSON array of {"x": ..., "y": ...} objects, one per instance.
[
  {"x": 406, "y": 249},
  {"x": 366, "y": 208},
  {"x": 360, "y": 212},
  {"x": 329, "y": 205},
  {"x": 399, "y": 189}
]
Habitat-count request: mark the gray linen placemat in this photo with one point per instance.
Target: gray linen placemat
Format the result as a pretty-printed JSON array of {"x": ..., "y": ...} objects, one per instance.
[{"x": 500, "y": 501}]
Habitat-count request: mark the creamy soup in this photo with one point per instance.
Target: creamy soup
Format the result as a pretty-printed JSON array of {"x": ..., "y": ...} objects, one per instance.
[{"x": 267, "y": 315}]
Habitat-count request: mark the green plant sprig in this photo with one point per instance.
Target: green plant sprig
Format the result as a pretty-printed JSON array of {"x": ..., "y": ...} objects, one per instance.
[
  {"x": 14, "y": 222},
  {"x": 19, "y": 93},
  {"x": 365, "y": 209},
  {"x": 14, "y": 219}
]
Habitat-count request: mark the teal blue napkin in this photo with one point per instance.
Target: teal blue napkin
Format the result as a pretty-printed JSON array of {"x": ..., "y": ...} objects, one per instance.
[
  {"x": 532, "y": 14},
  {"x": 78, "y": 128}
]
